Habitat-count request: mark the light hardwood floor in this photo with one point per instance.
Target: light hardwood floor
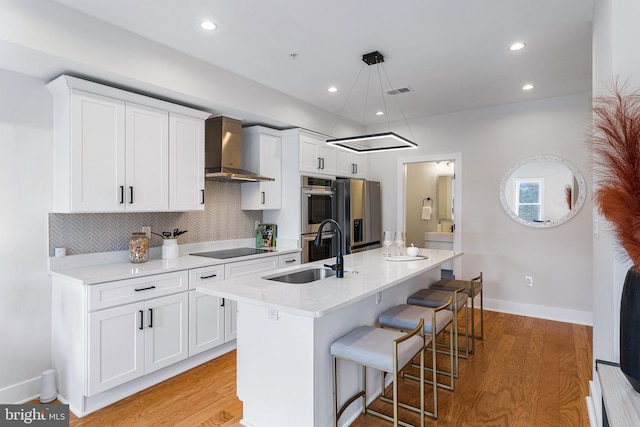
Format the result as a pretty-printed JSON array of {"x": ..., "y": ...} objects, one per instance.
[{"x": 527, "y": 372}]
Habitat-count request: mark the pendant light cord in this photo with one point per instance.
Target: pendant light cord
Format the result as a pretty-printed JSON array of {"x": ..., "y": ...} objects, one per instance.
[
  {"x": 347, "y": 100},
  {"x": 399, "y": 106}
]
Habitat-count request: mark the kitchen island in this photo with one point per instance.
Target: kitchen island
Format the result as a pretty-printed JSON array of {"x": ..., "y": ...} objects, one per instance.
[{"x": 285, "y": 330}]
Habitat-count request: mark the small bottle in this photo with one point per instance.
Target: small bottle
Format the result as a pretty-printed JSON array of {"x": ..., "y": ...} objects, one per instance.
[{"x": 138, "y": 247}]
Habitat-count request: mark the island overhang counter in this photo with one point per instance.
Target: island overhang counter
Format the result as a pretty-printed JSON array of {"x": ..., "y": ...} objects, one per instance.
[{"x": 284, "y": 373}]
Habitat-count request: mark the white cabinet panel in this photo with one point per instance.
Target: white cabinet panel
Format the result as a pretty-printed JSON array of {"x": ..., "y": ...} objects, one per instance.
[
  {"x": 206, "y": 322},
  {"x": 92, "y": 167},
  {"x": 315, "y": 156},
  {"x": 116, "y": 346},
  {"x": 230, "y": 320},
  {"x": 350, "y": 165},
  {"x": 262, "y": 154},
  {"x": 129, "y": 341},
  {"x": 186, "y": 163},
  {"x": 166, "y": 331},
  {"x": 147, "y": 164},
  {"x": 206, "y": 312}
]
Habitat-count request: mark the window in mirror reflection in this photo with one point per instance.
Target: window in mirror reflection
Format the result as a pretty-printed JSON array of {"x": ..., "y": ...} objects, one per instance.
[{"x": 529, "y": 196}]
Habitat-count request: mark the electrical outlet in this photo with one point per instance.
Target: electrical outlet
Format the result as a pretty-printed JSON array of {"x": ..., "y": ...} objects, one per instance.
[
  {"x": 528, "y": 280},
  {"x": 272, "y": 313},
  {"x": 147, "y": 230}
]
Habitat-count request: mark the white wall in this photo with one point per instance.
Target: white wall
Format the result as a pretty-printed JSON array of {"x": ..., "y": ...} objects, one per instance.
[
  {"x": 25, "y": 185},
  {"x": 492, "y": 140}
]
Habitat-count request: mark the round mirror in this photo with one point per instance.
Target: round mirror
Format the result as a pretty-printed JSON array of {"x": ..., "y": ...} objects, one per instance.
[{"x": 542, "y": 191}]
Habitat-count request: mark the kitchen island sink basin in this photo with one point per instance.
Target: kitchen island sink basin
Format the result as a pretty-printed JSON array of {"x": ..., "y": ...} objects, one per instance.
[{"x": 306, "y": 275}]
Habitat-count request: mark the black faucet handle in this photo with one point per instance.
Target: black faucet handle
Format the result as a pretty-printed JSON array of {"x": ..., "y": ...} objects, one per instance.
[{"x": 333, "y": 267}]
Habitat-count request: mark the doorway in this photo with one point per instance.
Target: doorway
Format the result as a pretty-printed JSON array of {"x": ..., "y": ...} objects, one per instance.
[{"x": 429, "y": 203}]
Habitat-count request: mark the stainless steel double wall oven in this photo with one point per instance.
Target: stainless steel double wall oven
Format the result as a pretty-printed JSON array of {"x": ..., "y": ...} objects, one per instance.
[{"x": 318, "y": 203}]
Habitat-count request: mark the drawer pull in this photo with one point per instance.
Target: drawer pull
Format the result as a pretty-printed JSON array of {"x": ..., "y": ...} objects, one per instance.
[
  {"x": 289, "y": 261},
  {"x": 151, "y": 317},
  {"x": 145, "y": 289},
  {"x": 141, "y": 327},
  {"x": 221, "y": 302},
  {"x": 208, "y": 277}
]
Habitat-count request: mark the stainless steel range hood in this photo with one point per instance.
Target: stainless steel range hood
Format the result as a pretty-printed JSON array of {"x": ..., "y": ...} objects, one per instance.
[{"x": 223, "y": 152}]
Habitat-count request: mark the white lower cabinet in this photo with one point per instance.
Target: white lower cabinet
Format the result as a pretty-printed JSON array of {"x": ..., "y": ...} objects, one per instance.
[
  {"x": 206, "y": 312},
  {"x": 132, "y": 340},
  {"x": 108, "y": 337}
]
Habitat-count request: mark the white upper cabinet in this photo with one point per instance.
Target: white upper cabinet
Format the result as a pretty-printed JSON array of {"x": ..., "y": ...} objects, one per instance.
[
  {"x": 262, "y": 154},
  {"x": 146, "y": 160},
  {"x": 351, "y": 165},
  {"x": 89, "y": 169},
  {"x": 117, "y": 151},
  {"x": 186, "y": 163},
  {"x": 315, "y": 155}
]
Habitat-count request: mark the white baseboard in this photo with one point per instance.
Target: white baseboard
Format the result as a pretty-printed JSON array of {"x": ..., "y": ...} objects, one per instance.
[
  {"x": 23, "y": 392},
  {"x": 540, "y": 311}
]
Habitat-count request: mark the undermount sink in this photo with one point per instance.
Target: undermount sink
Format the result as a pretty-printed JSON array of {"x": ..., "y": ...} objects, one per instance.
[{"x": 306, "y": 275}]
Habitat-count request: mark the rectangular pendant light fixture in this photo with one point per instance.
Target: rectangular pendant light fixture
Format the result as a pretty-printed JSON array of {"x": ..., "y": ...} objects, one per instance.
[
  {"x": 387, "y": 141},
  {"x": 377, "y": 142}
]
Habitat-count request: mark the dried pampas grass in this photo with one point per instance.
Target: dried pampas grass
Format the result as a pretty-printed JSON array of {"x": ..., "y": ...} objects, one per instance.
[{"x": 616, "y": 149}]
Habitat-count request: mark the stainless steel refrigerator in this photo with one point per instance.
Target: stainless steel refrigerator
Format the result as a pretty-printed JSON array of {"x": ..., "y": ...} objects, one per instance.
[{"x": 359, "y": 213}]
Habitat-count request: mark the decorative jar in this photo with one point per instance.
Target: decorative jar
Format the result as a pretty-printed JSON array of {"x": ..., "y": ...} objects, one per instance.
[{"x": 138, "y": 247}]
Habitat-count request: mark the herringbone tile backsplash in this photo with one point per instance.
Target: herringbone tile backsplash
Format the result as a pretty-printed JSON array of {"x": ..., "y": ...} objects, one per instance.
[{"x": 222, "y": 219}]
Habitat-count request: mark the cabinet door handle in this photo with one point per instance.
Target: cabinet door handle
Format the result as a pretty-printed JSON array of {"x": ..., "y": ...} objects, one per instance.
[
  {"x": 141, "y": 327},
  {"x": 121, "y": 194},
  {"x": 151, "y": 317},
  {"x": 289, "y": 261},
  {"x": 202, "y": 202},
  {"x": 221, "y": 302},
  {"x": 131, "y": 195},
  {"x": 145, "y": 289},
  {"x": 356, "y": 166},
  {"x": 208, "y": 277},
  {"x": 322, "y": 158},
  {"x": 319, "y": 162},
  {"x": 262, "y": 198}
]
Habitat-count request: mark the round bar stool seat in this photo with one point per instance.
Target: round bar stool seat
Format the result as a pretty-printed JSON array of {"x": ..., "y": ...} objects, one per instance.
[{"x": 385, "y": 350}]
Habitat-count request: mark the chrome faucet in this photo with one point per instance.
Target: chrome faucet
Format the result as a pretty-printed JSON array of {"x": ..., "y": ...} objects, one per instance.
[{"x": 338, "y": 266}]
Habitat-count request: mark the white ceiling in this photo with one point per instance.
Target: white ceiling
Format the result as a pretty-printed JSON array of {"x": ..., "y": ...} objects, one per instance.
[{"x": 453, "y": 54}]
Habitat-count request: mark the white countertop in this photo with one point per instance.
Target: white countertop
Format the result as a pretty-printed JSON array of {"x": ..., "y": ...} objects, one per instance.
[
  {"x": 110, "y": 271},
  {"x": 366, "y": 273}
]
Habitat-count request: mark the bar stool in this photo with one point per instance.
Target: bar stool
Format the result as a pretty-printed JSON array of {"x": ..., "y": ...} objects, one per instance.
[
  {"x": 473, "y": 288},
  {"x": 435, "y": 298},
  {"x": 385, "y": 350},
  {"x": 405, "y": 317}
]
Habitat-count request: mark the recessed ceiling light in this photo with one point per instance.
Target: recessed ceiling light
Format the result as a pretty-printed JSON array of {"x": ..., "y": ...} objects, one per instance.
[
  {"x": 517, "y": 46},
  {"x": 380, "y": 113},
  {"x": 528, "y": 86},
  {"x": 333, "y": 89},
  {"x": 208, "y": 25}
]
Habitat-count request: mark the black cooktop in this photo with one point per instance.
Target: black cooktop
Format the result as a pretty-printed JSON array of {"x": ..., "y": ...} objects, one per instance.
[{"x": 231, "y": 253}]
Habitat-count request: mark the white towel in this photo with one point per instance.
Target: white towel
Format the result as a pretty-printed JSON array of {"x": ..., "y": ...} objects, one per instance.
[{"x": 426, "y": 212}]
